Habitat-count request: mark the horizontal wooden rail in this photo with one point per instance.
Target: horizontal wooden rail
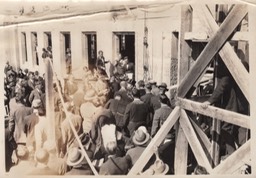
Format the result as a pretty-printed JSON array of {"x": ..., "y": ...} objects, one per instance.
[{"x": 215, "y": 112}]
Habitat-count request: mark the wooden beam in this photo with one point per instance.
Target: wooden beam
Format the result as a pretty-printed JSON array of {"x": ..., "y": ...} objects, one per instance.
[
  {"x": 194, "y": 142},
  {"x": 214, "y": 45},
  {"x": 204, "y": 37},
  {"x": 229, "y": 164},
  {"x": 185, "y": 49},
  {"x": 227, "y": 53},
  {"x": 215, "y": 112},
  {"x": 49, "y": 100},
  {"x": 155, "y": 142},
  {"x": 181, "y": 143},
  {"x": 252, "y": 63},
  {"x": 202, "y": 136},
  {"x": 181, "y": 152}
]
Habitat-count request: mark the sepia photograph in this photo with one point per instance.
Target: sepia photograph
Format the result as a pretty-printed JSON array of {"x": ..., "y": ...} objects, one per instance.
[{"x": 128, "y": 88}]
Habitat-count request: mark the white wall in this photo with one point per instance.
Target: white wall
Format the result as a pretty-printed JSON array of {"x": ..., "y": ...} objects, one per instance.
[{"x": 161, "y": 23}]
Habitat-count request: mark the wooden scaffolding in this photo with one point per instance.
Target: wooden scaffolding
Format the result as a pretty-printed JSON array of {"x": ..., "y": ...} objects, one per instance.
[{"x": 188, "y": 133}]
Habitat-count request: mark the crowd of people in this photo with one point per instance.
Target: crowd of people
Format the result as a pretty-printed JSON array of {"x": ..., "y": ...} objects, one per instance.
[
  {"x": 112, "y": 117},
  {"x": 115, "y": 118}
]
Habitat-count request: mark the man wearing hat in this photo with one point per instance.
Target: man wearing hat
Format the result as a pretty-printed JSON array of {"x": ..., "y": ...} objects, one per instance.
[
  {"x": 147, "y": 100},
  {"x": 155, "y": 103},
  {"x": 67, "y": 132},
  {"x": 161, "y": 114},
  {"x": 140, "y": 139},
  {"x": 158, "y": 168},
  {"x": 141, "y": 87},
  {"x": 115, "y": 165},
  {"x": 37, "y": 92},
  {"x": 77, "y": 161},
  {"x": 31, "y": 121},
  {"x": 17, "y": 116},
  {"x": 136, "y": 113}
]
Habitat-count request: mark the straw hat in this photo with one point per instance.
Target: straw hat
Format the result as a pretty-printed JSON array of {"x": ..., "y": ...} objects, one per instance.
[
  {"x": 140, "y": 136},
  {"x": 160, "y": 167},
  {"x": 75, "y": 157}
]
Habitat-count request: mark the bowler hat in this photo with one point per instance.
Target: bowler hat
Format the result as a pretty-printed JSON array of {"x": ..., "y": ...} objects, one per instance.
[{"x": 163, "y": 85}]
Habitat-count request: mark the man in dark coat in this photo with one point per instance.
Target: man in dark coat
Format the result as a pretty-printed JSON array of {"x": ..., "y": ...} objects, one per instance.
[
  {"x": 232, "y": 99},
  {"x": 10, "y": 146},
  {"x": 136, "y": 113},
  {"x": 161, "y": 115},
  {"x": 115, "y": 165}
]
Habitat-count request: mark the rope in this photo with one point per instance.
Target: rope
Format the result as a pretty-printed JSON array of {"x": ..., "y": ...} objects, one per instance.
[{"x": 71, "y": 124}]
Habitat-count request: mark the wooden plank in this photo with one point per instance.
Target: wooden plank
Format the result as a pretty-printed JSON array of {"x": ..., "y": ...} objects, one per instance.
[
  {"x": 214, "y": 45},
  {"x": 227, "y": 166},
  {"x": 49, "y": 100},
  {"x": 185, "y": 49},
  {"x": 181, "y": 143},
  {"x": 194, "y": 142},
  {"x": 156, "y": 141},
  {"x": 181, "y": 153},
  {"x": 202, "y": 136},
  {"x": 252, "y": 62},
  {"x": 215, "y": 147},
  {"x": 227, "y": 53},
  {"x": 215, "y": 112},
  {"x": 204, "y": 37}
]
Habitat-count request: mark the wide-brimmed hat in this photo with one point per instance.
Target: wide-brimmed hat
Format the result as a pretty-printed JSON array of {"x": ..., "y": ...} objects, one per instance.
[
  {"x": 163, "y": 85},
  {"x": 90, "y": 95},
  {"x": 152, "y": 82},
  {"x": 75, "y": 157},
  {"x": 140, "y": 137},
  {"x": 160, "y": 167}
]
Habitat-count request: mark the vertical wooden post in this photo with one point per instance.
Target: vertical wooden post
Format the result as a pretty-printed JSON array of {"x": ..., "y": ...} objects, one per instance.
[
  {"x": 252, "y": 63},
  {"x": 216, "y": 124},
  {"x": 181, "y": 147},
  {"x": 49, "y": 99}
]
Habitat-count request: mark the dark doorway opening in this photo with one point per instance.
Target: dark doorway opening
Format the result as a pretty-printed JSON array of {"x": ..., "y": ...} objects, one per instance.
[
  {"x": 127, "y": 45},
  {"x": 90, "y": 48}
]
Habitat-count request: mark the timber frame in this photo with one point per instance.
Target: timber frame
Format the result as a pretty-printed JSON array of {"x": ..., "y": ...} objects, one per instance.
[{"x": 217, "y": 38}]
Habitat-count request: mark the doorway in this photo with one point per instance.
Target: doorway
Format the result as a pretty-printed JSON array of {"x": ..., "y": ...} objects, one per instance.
[
  {"x": 124, "y": 44},
  {"x": 89, "y": 44},
  {"x": 66, "y": 53}
]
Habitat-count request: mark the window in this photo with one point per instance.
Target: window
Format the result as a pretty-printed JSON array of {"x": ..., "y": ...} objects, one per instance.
[
  {"x": 34, "y": 48},
  {"x": 24, "y": 47}
]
